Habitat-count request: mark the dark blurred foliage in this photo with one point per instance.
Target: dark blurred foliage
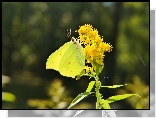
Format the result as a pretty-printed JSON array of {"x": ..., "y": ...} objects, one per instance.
[{"x": 31, "y": 31}]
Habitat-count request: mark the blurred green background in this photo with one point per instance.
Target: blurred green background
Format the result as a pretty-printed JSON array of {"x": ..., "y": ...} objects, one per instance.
[{"x": 31, "y": 31}]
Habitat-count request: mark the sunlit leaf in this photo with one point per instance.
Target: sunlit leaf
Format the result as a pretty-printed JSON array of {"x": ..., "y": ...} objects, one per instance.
[
  {"x": 79, "y": 98},
  {"x": 120, "y": 97},
  {"x": 114, "y": 86},
  {"x": 105, "y": 104},
  {"x": 90, "y": 86},
  {"x": 9, "y": 97}
]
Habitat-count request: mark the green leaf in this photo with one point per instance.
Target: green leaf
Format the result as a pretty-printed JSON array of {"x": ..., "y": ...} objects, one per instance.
[
  {"x": 114, "y": 86},
  {"x": 69, "y": 59},
  {"x": 90, "y": 86},
  {"x": 120, "y": 97},
  {"x": 79, "y": 98},
  {"x": 105, "y": 104},
  {"x": 9, "y": 97},
  {"x": 98, "y": 68}
]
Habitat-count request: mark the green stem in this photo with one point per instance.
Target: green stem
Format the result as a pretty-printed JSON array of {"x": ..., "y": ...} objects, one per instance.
[{"x": 98, "y": 95}]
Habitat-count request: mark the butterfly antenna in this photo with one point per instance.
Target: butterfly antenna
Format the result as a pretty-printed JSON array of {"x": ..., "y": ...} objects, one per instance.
[{"x": 69, "y": 35}]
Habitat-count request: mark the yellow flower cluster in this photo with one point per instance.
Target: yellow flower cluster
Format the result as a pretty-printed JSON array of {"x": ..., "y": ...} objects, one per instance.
[{"x": 94, "y": 47}]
